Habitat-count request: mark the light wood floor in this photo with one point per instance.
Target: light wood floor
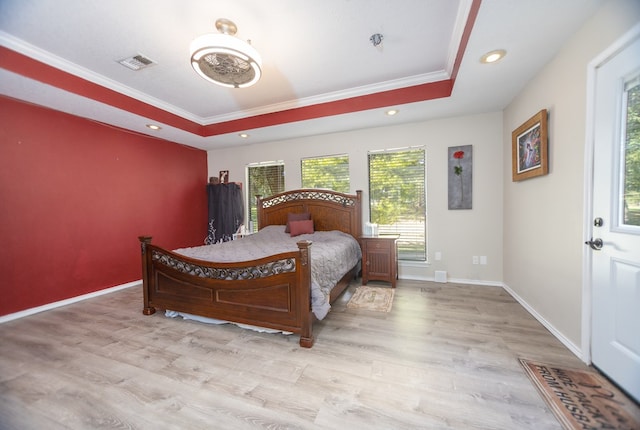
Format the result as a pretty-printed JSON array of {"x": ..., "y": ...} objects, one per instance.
[{"x": 446, "y": 356}]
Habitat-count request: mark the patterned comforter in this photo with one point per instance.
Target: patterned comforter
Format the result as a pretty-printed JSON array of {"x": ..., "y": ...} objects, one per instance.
[{"x": 333, "y": 254}]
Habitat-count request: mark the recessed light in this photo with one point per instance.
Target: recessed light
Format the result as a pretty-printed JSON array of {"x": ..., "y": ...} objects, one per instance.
[
  {"x": 493, "y": 56},
  {"x": 392, "y": 112},
  {"x": 243, "y": 135},
  {"x": 154, "y": 127}
]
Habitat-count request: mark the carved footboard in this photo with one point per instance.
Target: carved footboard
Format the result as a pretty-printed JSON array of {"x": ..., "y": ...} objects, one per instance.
[{"x": 272, "y": 292}]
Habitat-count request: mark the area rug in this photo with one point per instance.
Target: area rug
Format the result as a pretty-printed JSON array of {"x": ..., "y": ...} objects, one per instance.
[
  {"x": 582, "y": 399},
  {"x": 372, "y": 299}
]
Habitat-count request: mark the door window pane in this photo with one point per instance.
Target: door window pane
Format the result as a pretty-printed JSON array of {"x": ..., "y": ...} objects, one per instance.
[{"x": 631, "y": 154}]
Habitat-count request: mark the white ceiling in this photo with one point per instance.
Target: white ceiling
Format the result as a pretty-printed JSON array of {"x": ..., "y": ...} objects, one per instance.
[{"x": 316, "y": 54}]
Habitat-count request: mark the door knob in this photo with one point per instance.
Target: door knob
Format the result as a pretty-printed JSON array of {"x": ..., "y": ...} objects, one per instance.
[{"x": 595, "y": 244}]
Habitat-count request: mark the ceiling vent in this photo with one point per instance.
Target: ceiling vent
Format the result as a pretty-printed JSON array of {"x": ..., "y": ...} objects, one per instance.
[{"x": 137, "y": 62}]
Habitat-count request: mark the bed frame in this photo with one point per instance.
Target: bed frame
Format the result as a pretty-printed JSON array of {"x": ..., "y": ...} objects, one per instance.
[{"x": 273, "y": 292}]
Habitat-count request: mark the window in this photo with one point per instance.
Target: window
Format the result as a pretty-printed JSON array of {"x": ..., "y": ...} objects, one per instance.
[
  {"x": 265, "y": 179},
  {"x": 397, "y": 201},
  {"x": 330, "y": 172}
]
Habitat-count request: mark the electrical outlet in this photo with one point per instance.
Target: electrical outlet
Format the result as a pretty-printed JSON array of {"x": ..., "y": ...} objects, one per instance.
[
  {"x": 475, "y": 259},
  {"x": 438, "y": 256},
  {"x": 483, "y": 259}
]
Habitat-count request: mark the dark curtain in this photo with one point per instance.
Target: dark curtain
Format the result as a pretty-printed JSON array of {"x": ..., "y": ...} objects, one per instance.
[{"x": 226, "y": 212}]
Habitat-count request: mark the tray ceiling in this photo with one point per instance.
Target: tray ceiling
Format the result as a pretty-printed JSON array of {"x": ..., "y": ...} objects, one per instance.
[{"x": 321, "y": 71}]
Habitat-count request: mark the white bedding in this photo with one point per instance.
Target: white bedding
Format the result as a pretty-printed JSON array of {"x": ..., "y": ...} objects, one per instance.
[{"x": 333, "y": 254}]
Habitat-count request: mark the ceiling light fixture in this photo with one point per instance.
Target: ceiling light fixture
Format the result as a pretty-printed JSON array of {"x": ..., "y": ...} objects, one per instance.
[
  {"x": 154, "y": 127},
  {"x": 493, "y": 56},
  {"x": 392, "y": 112},
  {"x": 224, "y": 59},
  {"x": 243, "y": 135}
]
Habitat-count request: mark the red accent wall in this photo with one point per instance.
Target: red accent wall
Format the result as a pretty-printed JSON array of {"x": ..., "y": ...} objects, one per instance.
[{"x": 76, "y": 194}]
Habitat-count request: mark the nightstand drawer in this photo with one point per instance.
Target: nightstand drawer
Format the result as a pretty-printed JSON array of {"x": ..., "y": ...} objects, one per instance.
[{"x": 386, "y": 245}]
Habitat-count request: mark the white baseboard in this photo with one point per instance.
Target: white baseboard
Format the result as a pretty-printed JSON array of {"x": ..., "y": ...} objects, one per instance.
[
  {"x": 558, "y": 335},
  {"x": 454, "y": 281},
  {"x": 49, "y": 306},
  {"x": 479, "y": 282}
]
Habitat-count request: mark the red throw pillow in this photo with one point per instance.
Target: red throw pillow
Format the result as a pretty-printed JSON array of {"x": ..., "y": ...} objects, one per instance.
[
  {"x": 301, "y": 227},
  {"x": 296, "y": 217}
]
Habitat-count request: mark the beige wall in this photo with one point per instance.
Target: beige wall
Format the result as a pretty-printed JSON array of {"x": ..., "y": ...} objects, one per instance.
[
  {"x": 543, "y": 230},
  {"x": 458, "y": 235}
]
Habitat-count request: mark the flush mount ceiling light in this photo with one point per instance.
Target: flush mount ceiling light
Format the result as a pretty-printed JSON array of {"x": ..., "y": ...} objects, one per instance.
[
  {"x": 224, "y": 59},
  {"x": 493, "y": 56}
]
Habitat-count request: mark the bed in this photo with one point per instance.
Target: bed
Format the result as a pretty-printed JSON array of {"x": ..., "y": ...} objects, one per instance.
[{"x": 273, "y": 291}]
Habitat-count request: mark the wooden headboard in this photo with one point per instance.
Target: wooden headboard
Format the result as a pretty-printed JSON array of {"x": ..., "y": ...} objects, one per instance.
[{"x": 329, "y": 210}]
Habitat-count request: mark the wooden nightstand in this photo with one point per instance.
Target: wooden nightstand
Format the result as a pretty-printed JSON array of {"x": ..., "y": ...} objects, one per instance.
[{"x": 379, "y": 258}]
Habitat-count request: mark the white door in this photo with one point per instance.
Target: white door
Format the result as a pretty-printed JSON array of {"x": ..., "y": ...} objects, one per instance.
[{"x": 615, "y": 241}]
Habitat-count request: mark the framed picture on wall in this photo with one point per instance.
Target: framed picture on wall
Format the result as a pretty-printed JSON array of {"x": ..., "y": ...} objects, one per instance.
[
  {"x": 460, "y": 177},
  {"x": 529, "y": 148}
]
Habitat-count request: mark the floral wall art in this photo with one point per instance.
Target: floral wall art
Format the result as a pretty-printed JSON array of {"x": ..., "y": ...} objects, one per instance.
[{"x": 460, "y": 174}]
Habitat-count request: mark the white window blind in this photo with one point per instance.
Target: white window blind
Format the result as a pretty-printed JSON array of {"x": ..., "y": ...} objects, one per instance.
[
  {"x": 328, "y": 172},
  {"x": 397, "y": 198},
  {"x": 265, "y": 179}
]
